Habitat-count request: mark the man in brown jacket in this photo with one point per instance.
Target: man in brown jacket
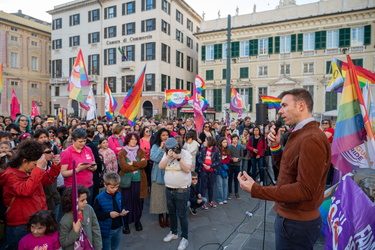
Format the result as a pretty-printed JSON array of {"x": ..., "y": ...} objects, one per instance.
[{"x": 303, "y": 166}]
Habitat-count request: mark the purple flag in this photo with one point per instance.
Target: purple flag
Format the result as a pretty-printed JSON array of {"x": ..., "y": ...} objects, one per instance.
[{"x": 351, "y": 220}]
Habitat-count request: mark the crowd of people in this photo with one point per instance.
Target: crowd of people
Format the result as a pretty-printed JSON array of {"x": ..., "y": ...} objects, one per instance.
[{"x": 117, "y": 167}]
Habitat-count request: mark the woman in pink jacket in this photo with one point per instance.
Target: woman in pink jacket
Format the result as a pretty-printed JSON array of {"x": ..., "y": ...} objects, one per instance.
[{"x": 116, "y": 141}]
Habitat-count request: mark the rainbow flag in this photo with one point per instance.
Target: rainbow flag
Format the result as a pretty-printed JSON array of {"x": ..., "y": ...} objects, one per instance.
[
  {"x": 203, "y": 102},
  {"x": 176, "y": 98},
  {"x": 78, "y": 79},
  {"x": 198, "y": 114},
  {"x": 237, "y": 103},
  {"x": 132, "y": 101},
  {"x": 273, "y": 102},
  {"x": 337, "y": 80},
  {"x": 199, "y": 84},
  {"x": 1, "y": 79},
  {"x": 110, "y": 102},
  {"x": 353, "y": 128}
]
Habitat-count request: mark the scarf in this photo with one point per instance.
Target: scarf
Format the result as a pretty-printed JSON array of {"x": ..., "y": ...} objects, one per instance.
[{"x": 131, "y": 152}]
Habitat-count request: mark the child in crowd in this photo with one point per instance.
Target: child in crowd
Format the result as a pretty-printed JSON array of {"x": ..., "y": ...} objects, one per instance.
[
  {"x": 195, "y": 200},
  {"x": 222, "y": 173},
  {"x": 110, "y": 160},
  {"x": 109, "y": 210},
  {"x": 236, "y": 154},
  {"x": 70, "y": 230},
  {"x": 43, "y": 232},
  {"x": 5, "y": 154}
]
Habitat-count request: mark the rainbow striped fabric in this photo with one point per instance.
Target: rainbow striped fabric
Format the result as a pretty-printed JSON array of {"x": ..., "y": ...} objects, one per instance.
[
  {"x": 110, "y": 102},
  {"x": 78, "y": 79},
  {"x": 237, "y": 103},
  {"x": 203, "y": 102},
  {"x": 199, "y": 84},
  {"x": 132, "y": 101},
  {"x": 176, "y": 98},
  {"x": 273, "y": 102}
]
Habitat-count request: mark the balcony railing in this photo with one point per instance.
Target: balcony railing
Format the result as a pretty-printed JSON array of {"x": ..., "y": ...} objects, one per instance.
[
  {"x": 263, "y": 57},
  {"x": 357, "y": 49},
  {"x": 333, "y": 51},
  {"x": 309, "y": 53},
  {"x": 285, "y": 55}
]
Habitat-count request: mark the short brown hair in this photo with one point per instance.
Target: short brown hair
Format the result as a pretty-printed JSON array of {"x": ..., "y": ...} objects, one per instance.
[
  {"x": 300, "y": 94},
  {"x": 117, "y": 130},
  {"x": 111, "y": 178},
  {"x": 211, "y": 142},
  {"x": 66, "y": 199}
]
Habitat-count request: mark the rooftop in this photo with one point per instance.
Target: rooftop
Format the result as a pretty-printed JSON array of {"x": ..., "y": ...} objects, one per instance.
[{"x": 25, "y": 20}]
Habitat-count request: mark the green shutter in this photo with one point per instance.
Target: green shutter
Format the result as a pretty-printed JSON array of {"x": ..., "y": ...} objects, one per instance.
[
  {"x": 331, "y": 101},
  {"x": 235, "y": 49},
  {"x": 317, "y": 40},
  {"x": 203, "y": 50},
  {"x": 300, "y": 42},
  {"x": 253, "y": 47},
  {"x": 218, "y": 100},
  {"x": 277, "y": 45},
  {"x": 224, "y": 73},
  {"x": 209, "y": 75},
  {"x": 328, "y": 67},
  {"x": 344, "y": 37},
  {"x": 270, "y": 45},
  {"x": 244, "y": 72},
  {"x": 169, "y": 82},
  {"x": 251, "y": 99},
  {"x": 320, "y": 39},
  {"x": 293, "y": 40},
  {"x": 367, "y": 35},
  {"x": 358, "y": 62},
  {"x": 163, "y": 82},
  {"x": 218, "y": 51}
]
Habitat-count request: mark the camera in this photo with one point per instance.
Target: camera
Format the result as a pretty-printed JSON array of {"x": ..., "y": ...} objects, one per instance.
[{"x": 176, "y": 150}]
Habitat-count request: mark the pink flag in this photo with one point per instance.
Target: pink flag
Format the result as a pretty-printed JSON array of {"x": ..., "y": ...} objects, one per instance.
[
  {"x": 198, "y": 114},
  {"x": 34, "y": 110},
  {"x": 15, "y": 106}
]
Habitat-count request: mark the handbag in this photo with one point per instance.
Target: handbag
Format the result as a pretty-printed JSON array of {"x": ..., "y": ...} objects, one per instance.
[{"x": 126, "y": 181}]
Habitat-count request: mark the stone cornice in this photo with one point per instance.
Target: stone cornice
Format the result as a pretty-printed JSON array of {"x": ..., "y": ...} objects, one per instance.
[{"x": 71, "y": 5}]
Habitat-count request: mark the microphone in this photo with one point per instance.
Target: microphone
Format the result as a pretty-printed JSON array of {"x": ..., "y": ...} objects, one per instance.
[
  {"x": 278, "y": 125},
  {"x": 249, "y": 214}
]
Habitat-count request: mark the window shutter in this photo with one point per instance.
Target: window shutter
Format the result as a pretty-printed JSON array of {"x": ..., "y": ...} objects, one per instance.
[
  {"x": 203, "y": 93},
  {"x": 293, "y": 47},
  {"x": 105, "y": 32},
  {"x": 344, "y": 37},
  {"x": 367, "y": 35},
  {"x": 270, "y": 45},
  {"x": 317, "y": 40},
  {"x": 277, "y": 45},
  {"x": 142, "y": 52},
  {"x": 105, "y": 56},
  {"x": 224, "y": 73},
  {"x": 90, "y": 13},
  {"x": 115, "y": 11},
  {"x": 331, "y": 101},
  {"x": 169, "y": 82},
  {"x": 70, "y": 20},
  {"x": 253, "y": 47},
  {"x": 218, "y": 100},
  {"x": 235, "y": 49},
  {"x": 328, "y": 67},
  {"x": 154, "y": 4},
  {"x": 300, "y": 42},
  {"x": 320, "y": 39},
  {"x": 251, "y": 99},
  {"x": 123, "y": 8},
  {"x": 203, "y": 53},
  {"x": 358, "y": 62},
  {"x": 105, "y": 13},
  {"x": 143, "y": 26},
  {"x": 217, "y": 51}
]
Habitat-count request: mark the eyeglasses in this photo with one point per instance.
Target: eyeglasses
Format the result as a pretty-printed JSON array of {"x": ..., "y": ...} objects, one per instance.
[
  {"x": 51, "y": 132},
  {"x": 15, "y": 134},
  {"x": 194, "y": 179},
  {"x": 325, "y": 123},
  {"x": 147, "y": 130},
  {"x": 23, "y": 120},
  {"x": 206, "y": 126},
  {"x": 48, "y": 152}
]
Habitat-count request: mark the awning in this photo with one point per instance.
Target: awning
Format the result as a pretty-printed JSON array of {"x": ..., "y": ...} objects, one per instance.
[{"x": 330, "y": 113}]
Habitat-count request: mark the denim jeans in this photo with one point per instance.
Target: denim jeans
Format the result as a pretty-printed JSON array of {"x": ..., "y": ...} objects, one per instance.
[
  {"x": 113, "y": 241},
  {"x": 195, "y": 205},
  {"x": 177, "y": 207},
  {"x": 207, "y": 183},
  {"x": 233, "y": 172},
  {"x": 294, "y": 234},
  {"x": 14, "y": 234},
  {"x": 256, "y": 166},
  {"x": 221, "y": 188}
]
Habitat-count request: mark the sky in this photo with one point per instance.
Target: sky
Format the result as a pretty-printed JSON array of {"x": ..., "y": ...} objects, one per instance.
[{"x": 38, "y": 8}]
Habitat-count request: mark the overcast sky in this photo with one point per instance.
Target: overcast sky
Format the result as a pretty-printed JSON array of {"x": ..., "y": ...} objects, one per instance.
[{"x": 38, "y": 8}]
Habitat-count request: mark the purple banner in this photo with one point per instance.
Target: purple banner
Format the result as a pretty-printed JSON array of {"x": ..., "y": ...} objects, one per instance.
[
  {"x": 351, "y": 220},
  {"x": 74, "y": 193}
]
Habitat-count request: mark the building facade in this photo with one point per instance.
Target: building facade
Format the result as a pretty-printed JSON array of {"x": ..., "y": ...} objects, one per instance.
[
  {"x": 25, "y": 55},
  {"x": 289, "y": 47},
  {"x": 158, "y": 33}
]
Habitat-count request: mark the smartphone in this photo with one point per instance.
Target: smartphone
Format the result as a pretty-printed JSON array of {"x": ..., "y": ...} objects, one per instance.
[
  {"x": 93, "y": 165},
  {"x": 86, "y": 163},
  {"x": 125, "y": 212}
]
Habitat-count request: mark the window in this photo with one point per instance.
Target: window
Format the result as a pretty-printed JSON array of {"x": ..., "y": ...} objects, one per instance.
[
  {"x": 165, "y": 53},
  {"x": 285, "y": 69},
  {"x": 148, "y": 25},
  {"x": 244, "y": 48},
  {"x": 34, "y": 85},
  {"x": 128, "y": 8},
  {"x": 328, "y": 67},
  {"x": 56, "y": 68},
  {"x": 33, "y": 43},
  {"x": 218, "y": 99},
  {"x": 56, "y": 44},
  {"x": 72, "y": 60},
  {"x": 189, "y": 42},
  {"x": 34, "y": 63},
  {"x": 93, "y": 64},
  {"x": 149, "y": 82},
  {"x": 148, "y": 51},
  {"x": 130, "y": 52},
  {"x": 179, "y": 83},
  {"x": 179, "y": 59},
  {"x": 308, "y": 68},
  {"x": 263, "y": 46},
  {"x": 74, "y": 20},
  {"x": 110, "y": 56},
  {"x": 165, "y": 27},
  {"x": 189, "y": 86},
  {"x": 127, "y": 83},
  {"x": 262, "y": 91},
  {"x": 209, "y": 52},
  {"x": 128, "y": 28},
  {"x": 224, "y": 74},
  {"x": 179, "y": 17},
  {"x": 189, "y": 63},
  {"x": 285, "y": 43},
  {"x": 94, "y": 37},
  {"x": 244, "y": 72},
  {"x": 13, "y": 29},
  {"x": 209, "y": 75},
  {"x": 14, "y": 60},
  {"x": 164, "y": 83},
  {"x": 310, "y": 88},
  {"x": 111, "y": 83},
  {"x": 110, "y": 32},
  {"x": 357, "y": 35},
  {"x": 189, "y": 25},
  {"x": 57, "y": 24},
  {"x": 358, "y": 62},
  {"x": 332, "y": 39},
  {"x": 14, "y": 38},
  {"x": 14, "y": 83},
  {"x": 34, "y": 34},
  {"x": 331, "y": 101},
  {"x": 224, "y": 49},
  {"x": 309, "y": 41},
  {"x": 110, "y": 12},
  {"x": 73, "y": 41},
  {"x": 94, "y": 15},
  {"x": 148, "y": 4},
  {"x": 166, "y": 6},
  {"x": 57, "y": 91},
  {"x": 179, "y": 36},
  {"x": 263, "y": 71}
]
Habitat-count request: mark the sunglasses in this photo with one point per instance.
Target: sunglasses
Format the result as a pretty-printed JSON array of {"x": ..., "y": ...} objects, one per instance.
[
  {"x": 23, "y": 120},
  {"x": 48, "y": 152},
  {"x": 15, "y": 134},
  {"x": 194, "y": 179},
  {"x": 228, "y": 128},
  {"x": 147, "y": 130},
  {"x": 325, "y": 123},
  {"x": 51, "y": 132},
  {"x": 206, "y": 126},
  {"x": 126, "y": 129}
]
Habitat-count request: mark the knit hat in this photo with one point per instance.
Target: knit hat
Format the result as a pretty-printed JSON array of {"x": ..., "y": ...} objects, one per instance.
[
  {"x": 50, "y": 119},
  {"x": 171, "y": 143}
]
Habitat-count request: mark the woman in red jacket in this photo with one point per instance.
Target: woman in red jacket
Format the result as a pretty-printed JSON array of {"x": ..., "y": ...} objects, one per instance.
[
  {"x": 22, "y": 184},
  {"x": 256, "y": 146},
  {"x": 116, "y": 141}
]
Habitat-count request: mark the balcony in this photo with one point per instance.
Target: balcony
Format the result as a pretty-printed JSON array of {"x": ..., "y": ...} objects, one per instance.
[
  {"x": 333, "y": 51},
  {"x": 59, "y": 81},
  {"x": 263, "y": 57},
  {"x": 244, "y": 59},
  {"x": 210, "y": 62},
  {"x": 309, "y": 53},
  {"x": 128, "y": 65},
  {"x": 357, "y": 49},
  {"x": 285, "y": 55}
]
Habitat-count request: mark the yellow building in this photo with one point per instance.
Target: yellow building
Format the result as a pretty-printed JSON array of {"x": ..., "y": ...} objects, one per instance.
[
  {"x": 289, "y": 47},
  {"x": 25, "y": 53}
]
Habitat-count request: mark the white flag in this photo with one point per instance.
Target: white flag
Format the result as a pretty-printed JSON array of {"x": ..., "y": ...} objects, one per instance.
[{"x": 92, "y": 104}]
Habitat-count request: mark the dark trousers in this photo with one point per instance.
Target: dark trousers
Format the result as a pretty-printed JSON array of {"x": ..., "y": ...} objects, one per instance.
[
  {"x": 296, "y": 235},
  {"x": 208, "y": 179},
  {"x": 177, "y": 207},
  {"x": 232, "y": 177}
]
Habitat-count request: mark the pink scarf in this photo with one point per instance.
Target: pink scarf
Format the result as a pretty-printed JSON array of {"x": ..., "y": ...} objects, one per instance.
[{"x": 131, "y": 152}]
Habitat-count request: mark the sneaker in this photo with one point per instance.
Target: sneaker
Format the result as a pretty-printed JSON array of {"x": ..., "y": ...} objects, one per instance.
[
  {"x": 221, "y": 203},
  {"x": 183, "y": 244},
  {"x": 238, "y": 196},
  {"x": 225, "y": 202},
  {"x": 229, "y": 196},
  {"x": 261, "y": 183},
  {"x": 193, "y": 211},
  {"x": 170, "y": 237},
  {"x": 212, "y": 204},
  {"x": 204, "y": 207}
]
